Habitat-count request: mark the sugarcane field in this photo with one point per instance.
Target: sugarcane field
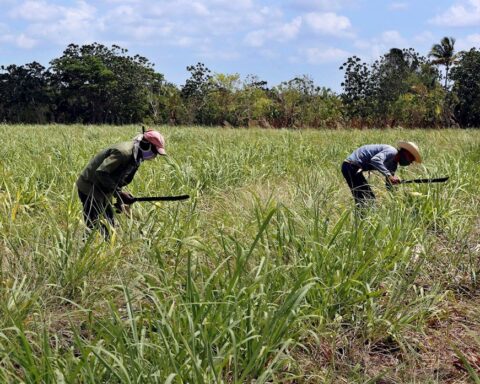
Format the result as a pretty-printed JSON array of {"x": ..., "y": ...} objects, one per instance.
[
  {"x": 239, "y": 192},
  {"x": 264, "y": 271}
]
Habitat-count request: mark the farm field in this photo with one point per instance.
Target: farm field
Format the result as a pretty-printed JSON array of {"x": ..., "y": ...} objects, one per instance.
[{"x": 263, "y": 275}]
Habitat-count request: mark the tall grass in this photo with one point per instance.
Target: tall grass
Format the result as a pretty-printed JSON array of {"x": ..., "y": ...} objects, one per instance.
[{"x": 264, "y": 263}]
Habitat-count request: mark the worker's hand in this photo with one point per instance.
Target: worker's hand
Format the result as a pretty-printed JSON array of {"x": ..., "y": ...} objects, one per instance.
[
  {"x": 393, "y": 180},
  {"x": 126, "y": 198},
  {"x": 121, "y": 208},
  {"x": 124, "y": 208}
]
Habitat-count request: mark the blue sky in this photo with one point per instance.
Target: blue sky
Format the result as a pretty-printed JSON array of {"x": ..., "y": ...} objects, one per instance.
[{"x": 275, "y": 40}]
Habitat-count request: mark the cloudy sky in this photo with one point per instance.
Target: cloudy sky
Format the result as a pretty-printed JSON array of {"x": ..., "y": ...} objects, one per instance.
[{"x": 275, "y": 40}]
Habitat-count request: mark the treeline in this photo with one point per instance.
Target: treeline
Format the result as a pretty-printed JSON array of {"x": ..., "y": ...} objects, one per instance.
[{"x": 96, "y": 84}]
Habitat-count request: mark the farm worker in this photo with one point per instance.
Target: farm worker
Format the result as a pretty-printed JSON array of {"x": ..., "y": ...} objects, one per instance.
[
  {"x": 376, "y": 157},
  {"x": 109, "y": 171}
]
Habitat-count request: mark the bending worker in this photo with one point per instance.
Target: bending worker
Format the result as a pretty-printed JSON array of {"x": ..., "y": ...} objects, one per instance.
[
  {"x": 376, "y": 157},
  {"x": 109, "y": 171}
]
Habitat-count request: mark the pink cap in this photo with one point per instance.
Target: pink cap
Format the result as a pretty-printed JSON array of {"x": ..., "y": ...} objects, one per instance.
[{"x": 157, "y": 140}]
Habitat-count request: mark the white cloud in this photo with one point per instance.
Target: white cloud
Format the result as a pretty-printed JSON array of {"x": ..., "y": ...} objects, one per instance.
[
  {"x": 256, "y": 18},
  {"x": 214, "y": 54},
  {"x": 23, "y": 41},
  {"x": 324, "y": 55},
  {"x": 224, "y": 17},
  {"x": 468, "y": 42},
  {"x": 183, "y": 41},
  {"x": 256, "y": 38},
  {"x": 393, "y": 38},
  {"x": 288, "y": 31},
  {"x": 325, "y": 5},
  {"x": 184, "y": 23},
  {"x": 398, "y": 6},
  {"x": 463, "y": 13},
  {"x": 180, "y": 23},
  {"x": 233, "y": 5},
  {"x": 174, "y": 8},
  {"x": 138, "y": 2},
  {"x": 378, "y": 46},
  {"x": 200, "y": 9},
  {"x": 144, "y": 32},
  {"x": 133, "y": 25},
  {"x": 329, "y": 23},
  {"x": 48, "y": 23},
  {"x": 425, "y": 37},
  {"x": 36, "y": 10},
  {"x": 73, "y": 24},
  {"x": 126, "y": 13},
  {"x": 281, "y": 32},
  {"x": 4, "y": 38}
]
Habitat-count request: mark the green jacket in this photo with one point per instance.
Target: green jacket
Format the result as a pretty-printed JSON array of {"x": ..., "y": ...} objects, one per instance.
[{"x": 110, "y": 170}]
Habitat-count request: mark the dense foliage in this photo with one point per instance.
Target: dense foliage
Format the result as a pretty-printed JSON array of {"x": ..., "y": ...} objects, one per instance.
[
  {"x": 400, "y": 88},
  {"x": 466, "y": 77},
  {"x": 96, "y": 84}
]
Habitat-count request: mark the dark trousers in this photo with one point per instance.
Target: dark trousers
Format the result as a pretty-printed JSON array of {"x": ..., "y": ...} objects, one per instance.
[
  {"x": 361, "y": 191},
  {"x": 94, "y": 209}
]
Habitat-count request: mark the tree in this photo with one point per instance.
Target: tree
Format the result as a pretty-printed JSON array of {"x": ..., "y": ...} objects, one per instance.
[
  {"x": 97, "y": 84},
  {"x": 444, "y": 54},
  {"x": 466, "y": 88},
  {"x": 393, "y": 76},
  {"x": 293, "y": 98},
  {"x": 166, "y": 104},
  {"x": 301, "y": 103},
  {"x": 357, "y": 89},
  {"x": 195, "y": 91},
  {"x": 375, "y": 94},
  {"x": 24, "y": 93},
  {"x": 221, "y": 100},
  {"x": 253, "y": 102}
]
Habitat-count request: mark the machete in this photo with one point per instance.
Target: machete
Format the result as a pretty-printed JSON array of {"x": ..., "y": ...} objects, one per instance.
[
  {"x": 161, "y": 198},
  {"x": 425, "y": 181},
  {"x": 118, "y": 203}
]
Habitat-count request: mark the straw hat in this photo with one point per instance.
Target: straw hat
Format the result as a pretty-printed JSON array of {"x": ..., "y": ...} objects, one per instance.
[{"x": 412, "y": 148}]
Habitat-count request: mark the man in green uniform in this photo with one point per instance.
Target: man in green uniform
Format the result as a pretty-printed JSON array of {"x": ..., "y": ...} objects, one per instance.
[{"x": 109, "y": 171}]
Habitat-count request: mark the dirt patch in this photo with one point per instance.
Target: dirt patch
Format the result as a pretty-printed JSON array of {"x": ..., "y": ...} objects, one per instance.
[
  {"x": 458, "y": 330},
  {"x": 429, "y": 356}
]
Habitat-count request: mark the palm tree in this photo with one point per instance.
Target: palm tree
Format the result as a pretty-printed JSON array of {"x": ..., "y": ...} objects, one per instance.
[{"x": 444, "y": 54}]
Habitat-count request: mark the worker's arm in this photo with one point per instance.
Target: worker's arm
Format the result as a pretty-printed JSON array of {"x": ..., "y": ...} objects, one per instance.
[{"x": 378, "y": 162}]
